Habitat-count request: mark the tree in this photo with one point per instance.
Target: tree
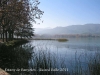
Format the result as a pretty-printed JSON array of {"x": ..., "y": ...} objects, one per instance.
[{"x": 16, "y": 17}]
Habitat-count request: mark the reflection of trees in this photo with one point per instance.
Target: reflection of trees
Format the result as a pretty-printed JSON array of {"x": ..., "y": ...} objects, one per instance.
[{"x": 16, "y": 58}]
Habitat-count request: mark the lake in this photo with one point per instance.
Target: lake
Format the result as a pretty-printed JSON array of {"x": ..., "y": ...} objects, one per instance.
[
  {"x": 71, "y": 53},
  {"x": 76, "y": 55}
]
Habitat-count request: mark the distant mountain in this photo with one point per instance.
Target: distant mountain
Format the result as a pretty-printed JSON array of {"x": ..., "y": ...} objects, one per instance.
[{"x": 73, "y": 29}]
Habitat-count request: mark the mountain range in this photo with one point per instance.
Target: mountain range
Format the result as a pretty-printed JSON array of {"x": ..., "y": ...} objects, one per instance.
[{"x": 72, "y": 29}]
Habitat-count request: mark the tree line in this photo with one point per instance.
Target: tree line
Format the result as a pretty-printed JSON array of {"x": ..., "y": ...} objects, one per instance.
[{"x": 16, "y": 18}]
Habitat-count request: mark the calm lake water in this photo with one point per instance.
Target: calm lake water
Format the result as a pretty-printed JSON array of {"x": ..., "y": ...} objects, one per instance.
[
  {"x": 74, "y": 54},
  {"x": 70, "y": 53}
]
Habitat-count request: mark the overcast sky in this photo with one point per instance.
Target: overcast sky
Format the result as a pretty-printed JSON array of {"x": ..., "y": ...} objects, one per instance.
[{"x": 68, "y": 12}]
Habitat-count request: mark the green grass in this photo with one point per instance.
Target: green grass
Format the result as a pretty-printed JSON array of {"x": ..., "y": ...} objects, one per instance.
[
  {"x": 60, "y": 40},
  {"x": 15, "y": 42}
]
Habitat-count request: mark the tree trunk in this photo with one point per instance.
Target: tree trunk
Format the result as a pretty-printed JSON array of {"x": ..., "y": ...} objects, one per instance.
[
  {"x": 9, "y": 35},
  {"x": 12, "y": 35},
  {"x": 21, "y": 36},
  {"x": 6, "y": 35},
  {"x": 3, "y": 34}
]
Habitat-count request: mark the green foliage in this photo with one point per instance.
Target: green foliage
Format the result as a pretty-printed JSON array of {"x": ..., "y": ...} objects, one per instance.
[
  {"x": 62, "y": 40},
  {"x": 15, "y": 42}
]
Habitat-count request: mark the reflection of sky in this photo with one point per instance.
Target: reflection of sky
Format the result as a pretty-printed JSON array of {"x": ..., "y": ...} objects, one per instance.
[
  {"x": 69, "y": 12},
  {"x": 73, "y": 43},
  {"x": 79, "y": 47}
]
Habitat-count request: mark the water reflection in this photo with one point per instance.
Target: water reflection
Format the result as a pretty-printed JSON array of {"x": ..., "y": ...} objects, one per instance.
[
  {"x": 78, "y": 57},
  {"x": 16, "y": 58}
]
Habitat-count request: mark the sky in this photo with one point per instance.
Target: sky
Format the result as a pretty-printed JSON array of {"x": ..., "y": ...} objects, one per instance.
[{"x": 68, "y": 12}]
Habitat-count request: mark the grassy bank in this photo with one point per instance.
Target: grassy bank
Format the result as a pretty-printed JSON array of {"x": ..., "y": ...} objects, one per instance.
[
  {"x": 13, "y": 43},
  {"x": 16, "y": 42}
]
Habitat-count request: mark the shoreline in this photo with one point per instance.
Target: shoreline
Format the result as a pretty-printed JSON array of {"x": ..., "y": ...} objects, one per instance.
[{"x": 12, "y": 43}]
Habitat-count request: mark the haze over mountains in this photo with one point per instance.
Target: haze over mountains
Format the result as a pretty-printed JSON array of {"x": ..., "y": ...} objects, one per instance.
[{"x": 72, "y": 29}]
